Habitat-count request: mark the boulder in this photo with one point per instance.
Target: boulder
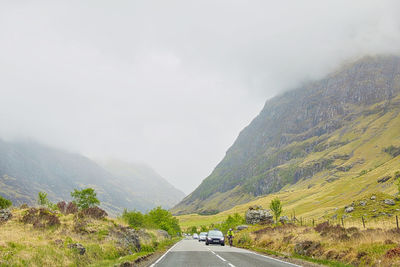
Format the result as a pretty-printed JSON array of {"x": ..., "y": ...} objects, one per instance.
[
  {"x": 254, "y": 216},
  {"x": 284, "y": 219},
  {"x": 389, "y": 202},
  {"x": 163, "y": 233},
  {"x": 373, "y": 197},
  {"x": 363, "y": 203},
  {"x": 349, "y": 209},
  {"x": 126, "y": 237},
  {"x": 242, "y": 227},
  {"x": 5, "y": 215},
  {"x": 77, "y": 246}
]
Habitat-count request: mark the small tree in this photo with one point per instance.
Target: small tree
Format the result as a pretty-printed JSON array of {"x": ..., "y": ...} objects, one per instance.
[
  {"x": 276, "y": 207},
  {"x": 4, "y": 203},
  {"x": 85, "y": 198},
  {"x": 42, "y": 199}
]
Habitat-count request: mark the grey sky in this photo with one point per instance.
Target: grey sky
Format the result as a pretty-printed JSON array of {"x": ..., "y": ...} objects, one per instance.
[{"x": 169, "y": 83}]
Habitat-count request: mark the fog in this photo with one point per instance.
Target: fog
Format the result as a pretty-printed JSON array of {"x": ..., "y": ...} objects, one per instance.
[{"x": 169, "y": 83}]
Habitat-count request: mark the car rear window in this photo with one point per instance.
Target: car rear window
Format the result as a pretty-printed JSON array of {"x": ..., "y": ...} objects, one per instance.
[{"x": 215, "y": 233}]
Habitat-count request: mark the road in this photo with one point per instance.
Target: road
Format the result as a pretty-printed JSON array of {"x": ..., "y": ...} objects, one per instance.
[{"x": 190, "y": 252}]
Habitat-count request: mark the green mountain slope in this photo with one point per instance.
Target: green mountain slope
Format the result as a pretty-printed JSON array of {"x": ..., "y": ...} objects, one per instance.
[
  {"x": 27, "y": 168},
  {"x": 323, "y": 130}
]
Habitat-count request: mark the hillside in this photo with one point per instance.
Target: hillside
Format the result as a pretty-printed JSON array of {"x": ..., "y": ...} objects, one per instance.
[
  {"x": 27, "y": 168},
  {"x": 147, "y": 183},
  {"x": 313, "y": 143}
]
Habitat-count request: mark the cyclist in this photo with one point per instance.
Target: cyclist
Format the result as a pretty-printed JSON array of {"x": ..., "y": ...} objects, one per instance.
[{"x": 230, "y": 235}]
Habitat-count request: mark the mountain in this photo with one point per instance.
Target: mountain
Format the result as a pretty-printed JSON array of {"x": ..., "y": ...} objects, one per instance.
[
  {"x": 147, "y": 183},
  {"x": 346, "y": 122},
  {"x": 27, "y": 168}
]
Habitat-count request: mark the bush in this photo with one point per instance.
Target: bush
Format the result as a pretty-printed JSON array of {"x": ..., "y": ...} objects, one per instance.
[
  {"x": 94, "y": 212},
  {"x": 71, "y": 208},
  {"x": 133, "y": 218},
  {"x": 4, "y": 203},
  {"x": 40, "y": 218},
  {"x": 157, "y": 218},
  {"x": 85, "y": 198}
]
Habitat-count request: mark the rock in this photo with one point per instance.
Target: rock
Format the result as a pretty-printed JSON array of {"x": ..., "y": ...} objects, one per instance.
[
  {"x": 363, "y": 203},
  {"x": 284, "y": 219},
  {"x": 242, "y": 227},
  {"x": 344, "y": 216},
  {"x": 81, "y": 249},
  {"x": 5, "y": 215},
  {"x": 373, "y": 197},
  {"x": 334, "y": 217},
  {"x": 163, "y": 233},
  {"x": 389, "y": 202},
  {"x": 349, "y": 209},
  {"x": 260, "y": 215},
  {"x": 126, "y": 237}
]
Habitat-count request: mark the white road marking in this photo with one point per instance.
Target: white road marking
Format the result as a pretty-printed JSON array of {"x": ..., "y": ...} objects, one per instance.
[
  {"x": 230, "y": 264},
  {"x": 159, "y": 259},
  {"x": 289, "y": 263}
]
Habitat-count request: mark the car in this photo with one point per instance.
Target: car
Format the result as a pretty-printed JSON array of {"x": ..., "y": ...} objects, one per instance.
[
  {"x": 215, "y": 237},
  {"x": 202, "y": 236},
  {"x": 195, "y": 236}
]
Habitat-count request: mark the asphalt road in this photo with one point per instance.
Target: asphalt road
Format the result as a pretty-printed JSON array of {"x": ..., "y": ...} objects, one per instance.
[{"x": 190, "y": 252}]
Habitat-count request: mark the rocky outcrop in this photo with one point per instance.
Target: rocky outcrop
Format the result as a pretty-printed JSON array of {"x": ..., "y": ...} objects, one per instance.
[
  {"x": 284, "y": 219},
  {"x": 127, "y": 238},
  {"x": 242, "y": 227},
  {"x": 5, "y": 215},
  {"x": 258, "y": 215},
  {"x": 389, "y": 202},
  {"x": 349, "y": 209}
]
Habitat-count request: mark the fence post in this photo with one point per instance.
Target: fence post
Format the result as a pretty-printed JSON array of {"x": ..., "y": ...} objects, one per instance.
[
  {"x": 397, "y": 222},
  {"x": 342, "y": 222},
  {"x": 362, "y": 217},
  {"x": 312, "y": 222},
  {"x": 301, "y": 221}
]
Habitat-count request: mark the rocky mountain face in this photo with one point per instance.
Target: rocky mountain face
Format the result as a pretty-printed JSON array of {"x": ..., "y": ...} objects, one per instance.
[
  {"x": 291, "y": 139},
  {"x": 27, "y": 168}
]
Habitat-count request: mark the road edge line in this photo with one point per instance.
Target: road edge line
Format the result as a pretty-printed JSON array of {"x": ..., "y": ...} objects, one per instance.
[
  {"x": 160, "y": 258},
  {"x": 272, "y": 258}
]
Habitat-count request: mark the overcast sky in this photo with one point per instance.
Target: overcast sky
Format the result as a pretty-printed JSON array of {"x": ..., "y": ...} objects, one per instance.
[{"x": 169, "y": 83}]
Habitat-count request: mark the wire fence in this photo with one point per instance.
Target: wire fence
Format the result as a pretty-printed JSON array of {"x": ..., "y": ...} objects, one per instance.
[{"x": 391, "y": 222}]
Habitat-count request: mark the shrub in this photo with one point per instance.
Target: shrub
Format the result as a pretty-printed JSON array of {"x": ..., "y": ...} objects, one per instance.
[
  {"x": 94, "y": 212},
  {"x": 157, "y": 218},
  {"x": 133, "y": 218},
  {"x": 71, "y": 208},
  {"x": 85, "y": 198},
  {"x": 40, "y": 218},
  {"x": 62, "y": 206},
  {"x": 4, "y": 203}
]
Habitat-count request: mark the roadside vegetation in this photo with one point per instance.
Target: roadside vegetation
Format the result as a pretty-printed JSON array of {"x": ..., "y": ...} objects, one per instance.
[{"x": 80, "y": 233}]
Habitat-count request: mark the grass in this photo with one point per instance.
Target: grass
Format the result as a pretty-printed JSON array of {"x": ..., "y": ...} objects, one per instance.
[
  {"x": 23, "y": 245},
  {"x": 359, "y": 248}
]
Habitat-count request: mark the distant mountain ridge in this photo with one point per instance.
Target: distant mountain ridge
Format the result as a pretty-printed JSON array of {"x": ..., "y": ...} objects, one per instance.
[
  {"x": 310, "y": 122},
  {"x": 27, "y": 168}
]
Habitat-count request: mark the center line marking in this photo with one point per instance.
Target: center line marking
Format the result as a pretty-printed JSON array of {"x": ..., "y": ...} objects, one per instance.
[{"x": 230, "y": 264}]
